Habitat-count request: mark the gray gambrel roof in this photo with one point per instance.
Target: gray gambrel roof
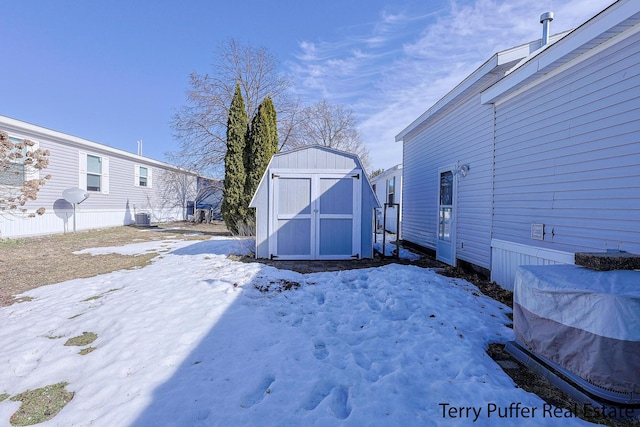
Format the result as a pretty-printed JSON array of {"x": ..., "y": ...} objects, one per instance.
[{"x": 313, "y": 157}]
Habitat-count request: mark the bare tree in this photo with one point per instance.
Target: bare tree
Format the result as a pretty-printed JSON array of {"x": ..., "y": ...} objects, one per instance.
[
  {"x": 329, "y": 125},
  {"x": 200, "y": 126},
  {"x": 175, "y": 189},
  {"x": 19, "y": 163}
]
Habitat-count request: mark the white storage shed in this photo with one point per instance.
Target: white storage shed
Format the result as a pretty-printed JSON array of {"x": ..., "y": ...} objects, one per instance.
[{"x": 314, "y": 203}]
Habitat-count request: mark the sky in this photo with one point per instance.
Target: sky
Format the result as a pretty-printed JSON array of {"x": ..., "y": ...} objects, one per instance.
[
  {"x": 202, "y": 345},
  {"x": 115, "y": 72}
]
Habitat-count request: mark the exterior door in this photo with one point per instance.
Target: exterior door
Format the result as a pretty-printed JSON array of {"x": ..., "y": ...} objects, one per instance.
[
  {"x": 292, "y": 217},
  {"x": 446, "y": 233},
  {"x": 337, "y": 203},
  {"x": 316, "y": 216}
]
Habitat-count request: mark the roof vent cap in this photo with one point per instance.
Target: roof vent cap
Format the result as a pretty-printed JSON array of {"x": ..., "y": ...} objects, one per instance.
[{"x": 545, "y": 20}]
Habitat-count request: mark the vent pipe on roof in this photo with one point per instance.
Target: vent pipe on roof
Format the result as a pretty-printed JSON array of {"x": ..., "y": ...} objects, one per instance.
[{"x": 545, "y": 20}]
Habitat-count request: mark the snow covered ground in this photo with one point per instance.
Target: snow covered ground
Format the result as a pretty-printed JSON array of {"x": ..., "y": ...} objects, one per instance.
[{"x": 190, "y": 340}]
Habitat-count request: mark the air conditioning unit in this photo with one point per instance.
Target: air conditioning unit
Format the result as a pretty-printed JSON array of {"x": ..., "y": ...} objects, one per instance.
[{"x": 143, "y": 220}]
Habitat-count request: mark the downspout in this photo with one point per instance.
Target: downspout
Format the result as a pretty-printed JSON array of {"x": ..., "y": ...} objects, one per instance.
[{"x": 493, "y": 191}]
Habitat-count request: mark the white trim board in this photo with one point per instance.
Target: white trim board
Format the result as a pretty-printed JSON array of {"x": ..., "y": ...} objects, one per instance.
[{"x": 549, "y": 254}]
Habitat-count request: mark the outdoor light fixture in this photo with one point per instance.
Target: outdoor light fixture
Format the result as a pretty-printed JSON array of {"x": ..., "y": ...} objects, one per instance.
[{"x": 463, "y": 170}]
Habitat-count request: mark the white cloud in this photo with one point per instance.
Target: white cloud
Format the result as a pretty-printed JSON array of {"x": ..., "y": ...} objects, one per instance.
[{"x": 408, "y": 61}]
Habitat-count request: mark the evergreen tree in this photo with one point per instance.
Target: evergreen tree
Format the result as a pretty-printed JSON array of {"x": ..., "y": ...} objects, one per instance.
[
  {"x": 262, "y": 143},
  {"x": 270, "y": 111},
  {"x": 234, "y": 204}
]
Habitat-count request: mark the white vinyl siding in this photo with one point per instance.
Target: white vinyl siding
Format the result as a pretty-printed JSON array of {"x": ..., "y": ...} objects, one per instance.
[
  {"x": 462, "y": 136},
  {"x": 567, "y": 153}
]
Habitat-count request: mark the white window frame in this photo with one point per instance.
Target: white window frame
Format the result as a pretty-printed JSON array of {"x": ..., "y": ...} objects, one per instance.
[
  {"x": 104, "y": 177},
  {"x": 29, "y": 171},
  {"x": 137, "y": 176},
  {"x": 389, "y": 192}
]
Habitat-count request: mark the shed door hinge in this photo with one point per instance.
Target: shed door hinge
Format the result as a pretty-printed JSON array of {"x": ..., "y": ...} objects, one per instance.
[
  {"x": 356, "y": 256},
  {"x": 273, "y": 175},
  {"x": 272, "y": 256},
  {"x": 356, "y": 176}
]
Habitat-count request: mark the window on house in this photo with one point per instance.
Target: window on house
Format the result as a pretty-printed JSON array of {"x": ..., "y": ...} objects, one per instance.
[
  {"x": 142, "y": 176},
  {"x": 94, "y": 173},
  {"x": 142, "y": 180},
  {"x": 12, "y": 173},
  {"x": 391, "y": 190}
]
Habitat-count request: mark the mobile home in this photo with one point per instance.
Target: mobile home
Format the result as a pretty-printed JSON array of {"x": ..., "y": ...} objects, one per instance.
[
  {"x": 388, "y": 189},
  {"x": 535, "y": 155},
  {"x": 121, "y": 185}
]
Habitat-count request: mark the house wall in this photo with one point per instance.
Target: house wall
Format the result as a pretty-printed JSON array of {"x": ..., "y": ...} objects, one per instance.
[
  {"x": 393, "y": 212},
  {"x": 567, "y": 152},
  {"x": 464, "y": 135},
  {"x": 116, "y": 206}
]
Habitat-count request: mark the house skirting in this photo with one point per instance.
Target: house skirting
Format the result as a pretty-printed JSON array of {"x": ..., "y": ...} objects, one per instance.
[
  {"x": 61, "y": 221},
  {"x": 419, "y": 248},
  {"x": 507, "y": 256}
]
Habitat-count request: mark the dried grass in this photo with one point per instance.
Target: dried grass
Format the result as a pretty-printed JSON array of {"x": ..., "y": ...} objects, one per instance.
[
  {"x": 40, "y": 405},
  {"x": 28, "y": 263}
]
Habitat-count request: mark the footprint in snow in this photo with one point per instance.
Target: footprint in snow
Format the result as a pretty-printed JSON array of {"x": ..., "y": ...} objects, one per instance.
[
  {"x": 320, "y": 350},
  {"x": 362, "y": 360},
  {"x": 339, "y": 402},
  {"x": 258, "y": 393},
  {"x": 331, "y": 327},
  {"x": 203, "y": 414},
  {"x": 373, "y": 305},
  {"x": 338, "y": 399},
  {"x": 318, "y": 394}
]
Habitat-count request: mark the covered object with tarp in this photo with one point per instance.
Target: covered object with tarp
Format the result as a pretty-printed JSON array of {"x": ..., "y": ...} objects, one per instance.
[{"x": 585, "y": 321}]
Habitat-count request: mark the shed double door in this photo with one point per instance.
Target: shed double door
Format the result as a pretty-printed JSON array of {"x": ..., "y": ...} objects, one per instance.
[{"x": 315, "y": 216}]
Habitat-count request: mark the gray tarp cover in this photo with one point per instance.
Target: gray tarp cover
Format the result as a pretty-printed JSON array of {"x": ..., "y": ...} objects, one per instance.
[{"x": 585, "y": 321}]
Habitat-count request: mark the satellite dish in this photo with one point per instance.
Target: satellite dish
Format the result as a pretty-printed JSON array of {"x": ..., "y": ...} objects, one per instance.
[{"x": 75, "y": 195}]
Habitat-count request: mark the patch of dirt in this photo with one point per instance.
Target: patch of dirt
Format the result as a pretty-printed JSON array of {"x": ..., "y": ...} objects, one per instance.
[
  {"x": 306, "y": 267},
  {"x": 277, "y": 286},
  {"x": 31, "y": 262},
  {"x": 487, "y": 287}
]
